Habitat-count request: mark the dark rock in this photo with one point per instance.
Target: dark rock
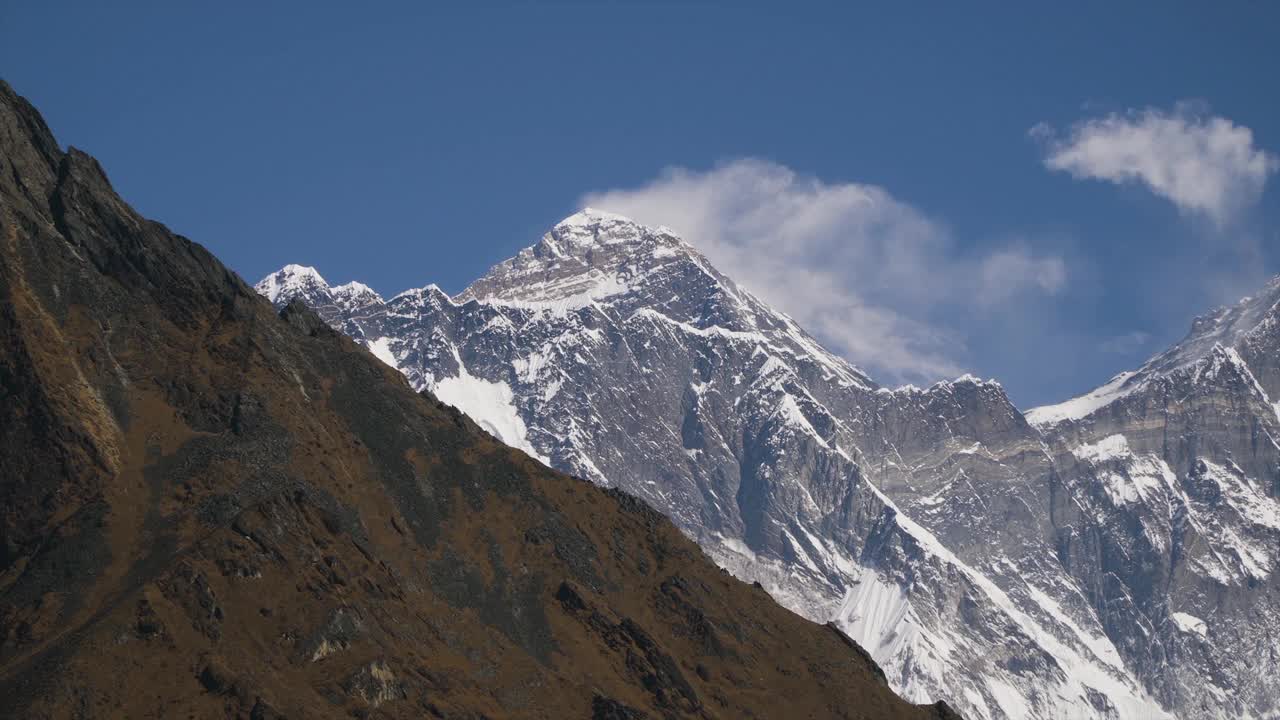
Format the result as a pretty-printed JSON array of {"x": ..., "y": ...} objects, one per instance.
[{"x": 603, "y": 708}]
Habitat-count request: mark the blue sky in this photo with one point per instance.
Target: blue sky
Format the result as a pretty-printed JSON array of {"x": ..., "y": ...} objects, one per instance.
[{"x": 1056, "y": 190}]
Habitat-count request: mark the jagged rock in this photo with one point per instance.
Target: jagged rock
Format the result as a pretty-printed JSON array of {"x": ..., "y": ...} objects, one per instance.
[
  {"x": 603, "y": 708},
  {"x": 375, "y": 683},
  {"x": 341, "y": 629}
]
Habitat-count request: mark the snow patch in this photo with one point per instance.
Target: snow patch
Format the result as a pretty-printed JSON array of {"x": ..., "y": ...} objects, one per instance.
[
  {"x": 1108, "y": 448},
  {"x": 1249, "y": 501},
  {"x": 562, "y": 298},
  {"x": 490, "y": 404},
  {"x": 1190, "y": 624},
  {"x": 381, "y": 349},
  {"x": 791, "y": 414},
  {"x": 875, "y": 614},
  {"x": 588, "y": 216},
  {"x": 1084, "y": 405}
]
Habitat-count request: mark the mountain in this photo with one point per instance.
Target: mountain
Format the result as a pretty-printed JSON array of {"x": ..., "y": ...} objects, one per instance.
[
  {"x": 1179, "y": 471},
  {"x": 980, "y": 554},
  {"x": 213, "y": 510}
]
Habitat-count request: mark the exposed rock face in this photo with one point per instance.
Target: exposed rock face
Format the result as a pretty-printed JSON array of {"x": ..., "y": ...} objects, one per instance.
[
  {"x": 211, "y": 510},
  {"x": 1176, "y": 532},
  {"x": 979, "y": 557}
]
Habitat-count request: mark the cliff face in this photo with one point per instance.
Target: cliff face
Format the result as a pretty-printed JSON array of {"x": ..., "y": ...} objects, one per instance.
[
  {"x": 213, "y": 510},
  {"x": 1170, "y": 514}
]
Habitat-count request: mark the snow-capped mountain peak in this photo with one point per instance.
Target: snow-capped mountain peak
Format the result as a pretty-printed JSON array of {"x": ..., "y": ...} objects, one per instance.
[
  {"x": 1229, "y": 326},
  {"x": 591, "y": 227},
  {"x": 292, "y": 280},
  {"x": 589, "y": 256},
  {"x": 427, "y": 293},
  {"x": 589, "y": 217},
  {"x": 356, "y": 291},
  {"x": 1240, "y": 334},
  {"x": 609, "y": 264}
]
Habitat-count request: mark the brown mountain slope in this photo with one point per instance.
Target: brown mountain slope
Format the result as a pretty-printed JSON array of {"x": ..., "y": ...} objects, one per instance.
[{"x": 210, "y": 510}]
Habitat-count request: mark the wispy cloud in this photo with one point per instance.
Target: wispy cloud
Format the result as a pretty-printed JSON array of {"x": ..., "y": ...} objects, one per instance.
[
  {"x": 861, "y": 269},
  {"x": 1127, "y": 344},
  {"x": 1012, "y": 271},
  {"x": 1204, "y": 164}
]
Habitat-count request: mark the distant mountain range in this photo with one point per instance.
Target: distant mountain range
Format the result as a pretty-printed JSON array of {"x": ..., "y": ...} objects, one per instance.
[{"x": 1110, "y": 557}]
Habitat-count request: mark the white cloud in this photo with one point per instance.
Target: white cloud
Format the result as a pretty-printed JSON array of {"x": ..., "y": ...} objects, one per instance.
[
  {"x": 862, "y": 270},
  {"x": 1203, "y": 164},
  {"x": 1009, "y": 272},
  {"x": 1126, "y": 344}
]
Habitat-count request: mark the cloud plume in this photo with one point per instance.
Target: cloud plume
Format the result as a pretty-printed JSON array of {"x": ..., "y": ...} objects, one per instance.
[{"x": 859, "y": 268}]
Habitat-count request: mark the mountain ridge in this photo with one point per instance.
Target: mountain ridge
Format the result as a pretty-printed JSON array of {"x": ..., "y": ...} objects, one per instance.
[
  {"x": 883, "y": 509},
  {"x": 1238, "y": 325}
]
